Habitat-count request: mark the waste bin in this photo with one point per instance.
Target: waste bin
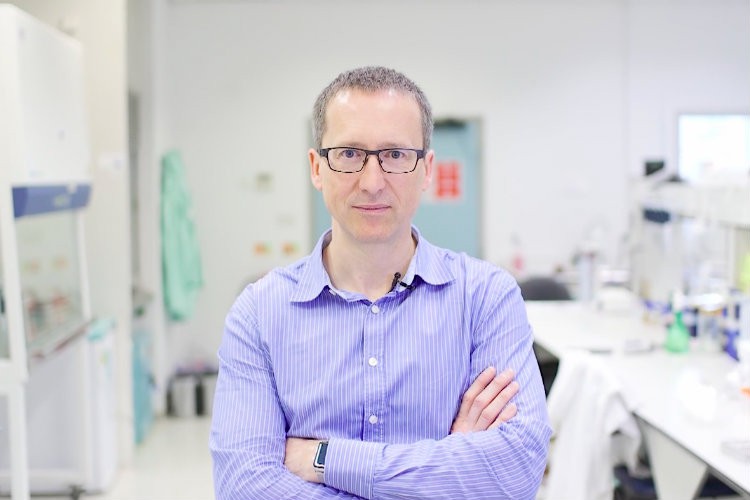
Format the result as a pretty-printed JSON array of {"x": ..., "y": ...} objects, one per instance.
[
  {"x": 208, "y": 383},
  {"x": 183, "y": 392}
]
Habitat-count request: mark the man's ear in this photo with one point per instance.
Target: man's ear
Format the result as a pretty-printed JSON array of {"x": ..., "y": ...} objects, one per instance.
[
  {"x": 429, "y": 160},
  {"x": 315, "y": 159}
]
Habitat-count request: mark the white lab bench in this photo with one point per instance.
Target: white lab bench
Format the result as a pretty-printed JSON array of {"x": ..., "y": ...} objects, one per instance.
[{"x": 683, "y": 445}]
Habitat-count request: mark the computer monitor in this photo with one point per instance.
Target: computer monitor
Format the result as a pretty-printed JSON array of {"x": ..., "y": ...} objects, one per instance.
[{"x": 713, "y": 147}]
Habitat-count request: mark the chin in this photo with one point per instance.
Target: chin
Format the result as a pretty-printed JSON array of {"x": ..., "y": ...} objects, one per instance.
[
  {"x": 379, "y": 234},
  {"x": 374, "y": 237}
]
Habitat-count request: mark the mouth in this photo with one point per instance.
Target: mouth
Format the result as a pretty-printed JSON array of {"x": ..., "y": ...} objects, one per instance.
[{"x": 371, "y": 208}]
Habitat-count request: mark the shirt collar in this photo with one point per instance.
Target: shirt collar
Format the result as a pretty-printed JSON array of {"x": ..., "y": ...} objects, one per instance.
[{"x": 428, "y": 263}]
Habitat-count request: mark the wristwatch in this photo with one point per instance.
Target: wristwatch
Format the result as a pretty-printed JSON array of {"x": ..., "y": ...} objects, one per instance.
[{"x": 319, "y": 462}]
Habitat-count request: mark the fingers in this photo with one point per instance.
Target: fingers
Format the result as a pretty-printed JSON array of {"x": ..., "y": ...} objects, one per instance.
[
  {"x": 508, "y": 412},
  {"x": 493, "y": 398},
  {"x": 475, "y": 389},
  {"x": 486, "y": 403},
  {"x": 490, "y": 403}
]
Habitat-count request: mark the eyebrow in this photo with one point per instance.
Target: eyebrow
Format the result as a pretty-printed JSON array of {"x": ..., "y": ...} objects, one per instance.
[{"x": 385, "y": 145}]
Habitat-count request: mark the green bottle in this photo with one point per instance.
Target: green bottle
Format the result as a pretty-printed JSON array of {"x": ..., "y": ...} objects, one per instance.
[{"x": 678, "y": 336}]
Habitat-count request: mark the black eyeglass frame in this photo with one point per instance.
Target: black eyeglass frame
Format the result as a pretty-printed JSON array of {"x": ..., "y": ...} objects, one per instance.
[{"x": 324, "y": 153}]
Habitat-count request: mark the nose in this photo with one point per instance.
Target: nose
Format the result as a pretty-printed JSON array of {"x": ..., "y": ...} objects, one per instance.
[{"x": 372, "y": 177}]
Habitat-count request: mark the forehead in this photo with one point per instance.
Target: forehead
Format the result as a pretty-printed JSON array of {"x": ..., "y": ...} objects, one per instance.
[
  {"x": 370, "y": 113},
  {"x": 382, "y": 98}
]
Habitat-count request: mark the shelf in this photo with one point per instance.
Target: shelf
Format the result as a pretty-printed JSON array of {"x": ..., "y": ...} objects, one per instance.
[
  {"x": 728, "y": 205},
  {"x": 55, "y": 340}
]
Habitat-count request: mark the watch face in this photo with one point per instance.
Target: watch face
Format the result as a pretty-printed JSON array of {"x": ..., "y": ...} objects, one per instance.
[{"x": 320, "y": 455}]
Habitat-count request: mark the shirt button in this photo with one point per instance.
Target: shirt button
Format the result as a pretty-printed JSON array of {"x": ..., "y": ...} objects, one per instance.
[
  {"x": 375, "y": 309},
  {"x": 372, "y": 361},
  {"x": 373, "y": 419}
]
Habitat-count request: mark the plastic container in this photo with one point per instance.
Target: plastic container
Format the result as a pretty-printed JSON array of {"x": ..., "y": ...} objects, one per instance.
[{"x": 710, "y": 323}]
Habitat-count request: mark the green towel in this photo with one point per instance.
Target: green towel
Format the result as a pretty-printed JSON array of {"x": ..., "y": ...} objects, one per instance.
[{"x": 182, "y": 273}]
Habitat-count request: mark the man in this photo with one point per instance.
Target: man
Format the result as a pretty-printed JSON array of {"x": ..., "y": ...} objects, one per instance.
[{"x": 368, "y": 369}]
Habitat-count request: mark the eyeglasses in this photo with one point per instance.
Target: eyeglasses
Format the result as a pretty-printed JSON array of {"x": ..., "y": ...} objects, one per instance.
[{"x": 391, "y": 160}]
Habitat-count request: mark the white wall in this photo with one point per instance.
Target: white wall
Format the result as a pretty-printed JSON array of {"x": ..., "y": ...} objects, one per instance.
[
  {"x": 573, "y": 95},
  {"x": 145, "y": 52},
  {"x": 691, "y": 58},
  {"x": 100, "y": 26}
]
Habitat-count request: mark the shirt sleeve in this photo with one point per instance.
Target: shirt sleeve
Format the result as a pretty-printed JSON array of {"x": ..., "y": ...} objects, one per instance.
[
  {"x": 248, "y": 436},
  {"x": 503, "y": 463}
]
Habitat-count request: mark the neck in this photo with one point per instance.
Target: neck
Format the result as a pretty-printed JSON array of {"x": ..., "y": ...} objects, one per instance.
[{"x": 367, "y": 268}]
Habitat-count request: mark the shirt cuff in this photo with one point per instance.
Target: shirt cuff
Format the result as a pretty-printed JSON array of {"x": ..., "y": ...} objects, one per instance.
[{"x": 350, "y": 465}]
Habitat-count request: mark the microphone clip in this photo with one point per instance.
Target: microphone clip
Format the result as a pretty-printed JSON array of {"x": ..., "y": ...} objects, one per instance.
[{"x": 397, "y": 281}]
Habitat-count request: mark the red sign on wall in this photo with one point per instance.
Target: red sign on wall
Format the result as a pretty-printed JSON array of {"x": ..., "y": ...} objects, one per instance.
[{"x": 447, "y": 180}]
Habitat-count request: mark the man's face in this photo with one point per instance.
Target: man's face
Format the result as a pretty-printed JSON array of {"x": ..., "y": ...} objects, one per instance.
[{"x": 372, "y": 206}]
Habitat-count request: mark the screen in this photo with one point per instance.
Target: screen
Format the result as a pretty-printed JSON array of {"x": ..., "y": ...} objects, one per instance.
[{"x": 714, "y": 147}]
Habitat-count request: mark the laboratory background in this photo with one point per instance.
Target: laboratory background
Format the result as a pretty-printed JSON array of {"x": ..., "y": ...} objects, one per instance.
[{"x": 153, "y": 162}]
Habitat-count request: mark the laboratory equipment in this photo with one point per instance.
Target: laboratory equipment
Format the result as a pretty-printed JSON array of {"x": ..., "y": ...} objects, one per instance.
[{"x": 62, "y": 439}]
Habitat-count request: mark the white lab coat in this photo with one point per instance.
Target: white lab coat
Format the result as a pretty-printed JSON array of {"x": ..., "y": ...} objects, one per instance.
[{"x": 586, "y": 407}]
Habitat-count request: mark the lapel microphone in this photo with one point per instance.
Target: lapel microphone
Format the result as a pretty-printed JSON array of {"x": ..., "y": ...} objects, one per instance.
[{"x": 397, "y": 281}]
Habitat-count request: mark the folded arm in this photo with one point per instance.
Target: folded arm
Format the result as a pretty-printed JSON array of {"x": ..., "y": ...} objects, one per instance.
[
  {"x": 485, "y": 405},
  {"x": 248, "y": 430}
]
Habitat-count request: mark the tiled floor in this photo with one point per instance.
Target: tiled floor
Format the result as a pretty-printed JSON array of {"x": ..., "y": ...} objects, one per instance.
[{"x": 173, "y": 463}]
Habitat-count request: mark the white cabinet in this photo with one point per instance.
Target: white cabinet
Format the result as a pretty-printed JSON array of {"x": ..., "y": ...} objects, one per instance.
[{"x": 43, "y": 132}]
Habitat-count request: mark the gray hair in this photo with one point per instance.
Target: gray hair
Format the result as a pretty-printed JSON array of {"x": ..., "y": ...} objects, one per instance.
[{"x": 370, "y": 79}]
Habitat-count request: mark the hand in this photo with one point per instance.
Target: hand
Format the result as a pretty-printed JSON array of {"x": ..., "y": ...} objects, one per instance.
[
  {"x": 299, "y": 457},
  {"x": 485, "y": 404}
]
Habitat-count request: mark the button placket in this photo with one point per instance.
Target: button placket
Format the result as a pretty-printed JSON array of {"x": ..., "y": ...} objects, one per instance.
[{"x": 372, "y": 354}]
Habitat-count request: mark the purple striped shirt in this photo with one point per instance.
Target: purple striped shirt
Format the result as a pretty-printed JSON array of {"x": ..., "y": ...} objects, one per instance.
[{"x": 381, "y": 381}]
